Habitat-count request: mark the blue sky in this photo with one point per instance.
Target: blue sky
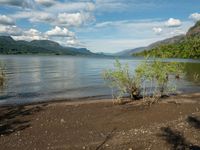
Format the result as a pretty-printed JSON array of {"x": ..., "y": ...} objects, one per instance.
[{"x": 99, "y": 25}]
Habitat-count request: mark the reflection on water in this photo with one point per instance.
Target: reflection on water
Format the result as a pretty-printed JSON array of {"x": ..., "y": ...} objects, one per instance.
[
  {"x": 36, "y": 78},
  {"x": 192, "y": 71}
]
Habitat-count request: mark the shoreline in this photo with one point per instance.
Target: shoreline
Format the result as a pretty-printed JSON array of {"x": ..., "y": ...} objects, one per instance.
[
  {"x": 86, "y": 100},
  {"x": 100, "y": 124},
  {"x": 82, "y": 101}
]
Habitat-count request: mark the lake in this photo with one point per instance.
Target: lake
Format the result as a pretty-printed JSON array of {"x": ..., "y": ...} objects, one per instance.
[{"x": 43, "y": 78}]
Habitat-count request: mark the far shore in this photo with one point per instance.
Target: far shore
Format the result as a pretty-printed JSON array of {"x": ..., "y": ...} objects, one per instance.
[{"x": 173, "y": 123}]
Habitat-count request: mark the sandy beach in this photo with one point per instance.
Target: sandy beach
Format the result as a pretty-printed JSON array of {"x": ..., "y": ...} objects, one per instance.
[{"x": 174, "y": 123}]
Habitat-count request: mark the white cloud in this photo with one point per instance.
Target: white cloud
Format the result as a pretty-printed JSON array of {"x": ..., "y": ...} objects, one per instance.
[
  {"x": 195, "y": 16},
  {"x": 35, "y": 16},
  {"x": 60, "y": 14},
  {"x": 32, "y": 32},
  {"x": 111, "y": 5},
  {"x": 10, "y": 30},
  {"x": 173, "y": 22},
  {"x": 59, "y": 32},
  {"x": 18, "y": 3},
  {"x": 41, "y": 17},
  {"x": 104, "y": 24},
  {"x": 46, "y": 3},
  {"x": 5, "y": 20},
  {"x": 121, "y": 5},
  {"x": 157, "y": 30},
  {"x": 29, "y": 35},
  {"x": 71, "y": 7},
  {"x": 73, "y": 42},
  {"x": 26, "y": 38},
  {"x": 176, "y": 32},
  {"x": 73, "y": 19}
]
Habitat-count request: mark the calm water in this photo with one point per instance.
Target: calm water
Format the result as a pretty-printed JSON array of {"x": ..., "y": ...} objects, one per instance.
[{"x": 41, "y": 78}]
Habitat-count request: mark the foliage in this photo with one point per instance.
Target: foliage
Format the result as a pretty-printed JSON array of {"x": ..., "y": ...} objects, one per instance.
[
  {"x": 156, "y": 75},
  {"x": 2, "y": 76},
  {"x": 123, "y": 80},
  {"x": 192, "y": 72},
  {"x": 187, "y": 48}
]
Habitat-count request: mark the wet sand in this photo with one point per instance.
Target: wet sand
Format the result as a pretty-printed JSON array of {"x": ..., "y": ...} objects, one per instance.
[{"x": 173, "y": 123}]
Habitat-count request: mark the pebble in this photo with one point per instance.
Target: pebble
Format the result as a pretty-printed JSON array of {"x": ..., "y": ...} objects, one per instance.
[
  {"x": 62, "y": 120},
  {"x": 106, "y": 145},
  {"x": 130, "y": 149}
]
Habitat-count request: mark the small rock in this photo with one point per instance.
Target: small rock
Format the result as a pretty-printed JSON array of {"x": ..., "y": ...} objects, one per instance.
[
  {"x": 62, "y": 120},
  {"x": 130, "y": 149},
  {"x": 106, "y": 145},
  {"x": 83, "y": 147}
]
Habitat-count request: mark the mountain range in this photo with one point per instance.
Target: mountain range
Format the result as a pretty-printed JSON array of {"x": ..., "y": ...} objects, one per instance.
[
  {"x": 130, "y": 52},
  {"x": 188, "y": 45},
  {"x": 10, "y": 46}
]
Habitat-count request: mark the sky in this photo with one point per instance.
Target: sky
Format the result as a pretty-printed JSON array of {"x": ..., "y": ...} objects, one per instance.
[{"x": 100, "y": 25}]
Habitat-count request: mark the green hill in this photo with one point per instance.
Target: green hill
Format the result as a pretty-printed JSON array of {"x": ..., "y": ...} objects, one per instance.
[
  {"x": 44, "y": 47},
  {"x": 187, "y": 46}
]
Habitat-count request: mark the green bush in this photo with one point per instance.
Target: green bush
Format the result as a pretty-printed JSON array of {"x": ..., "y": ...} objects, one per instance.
[
  {"x": 2, "y": 77},
  {"x": 123, "y": 80},
  {"x": 159, "y": 77}
]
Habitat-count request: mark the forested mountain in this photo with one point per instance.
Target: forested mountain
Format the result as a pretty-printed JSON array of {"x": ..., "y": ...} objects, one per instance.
[
  {"x": 9, "y": 46},
  {"x": 187, "y": 46},
  {"x": 131, "y": 52}
]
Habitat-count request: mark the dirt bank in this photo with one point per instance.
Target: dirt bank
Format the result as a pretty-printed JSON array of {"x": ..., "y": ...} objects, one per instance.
[{"x": 172, "y": 124}]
